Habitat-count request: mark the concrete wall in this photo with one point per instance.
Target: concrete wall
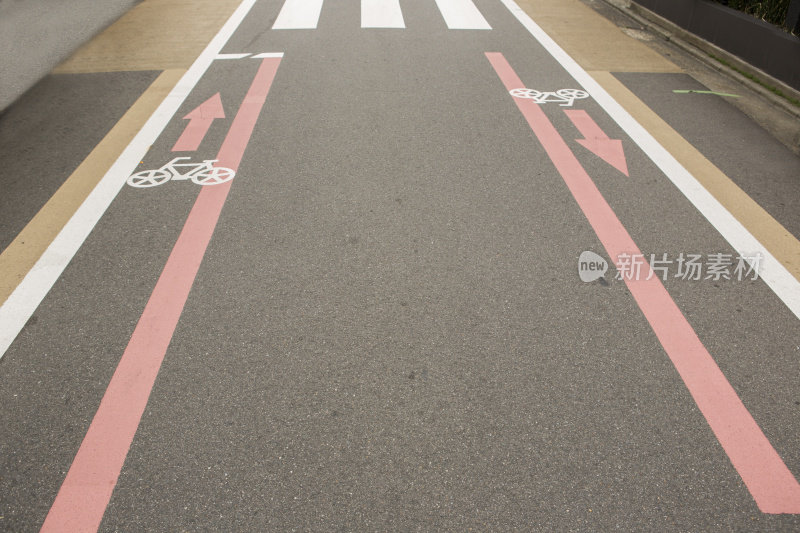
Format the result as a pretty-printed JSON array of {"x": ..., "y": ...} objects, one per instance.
[
  {"x": 36, "y": 35},
  {"x": 757, "y": 42}
]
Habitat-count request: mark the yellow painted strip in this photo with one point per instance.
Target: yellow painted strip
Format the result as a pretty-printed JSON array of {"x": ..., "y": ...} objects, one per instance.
[
  {"x": 592, "y": 40},
  {"x": 23, "y": 252},
  {"x": 775, "y": 238},
  {"x": 154, "y": 35}
]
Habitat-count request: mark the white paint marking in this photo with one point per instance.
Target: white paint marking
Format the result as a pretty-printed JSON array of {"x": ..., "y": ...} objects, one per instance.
[
  {"x": 22, "y": 303},
  {"x": 462, "y": 15},
  {"x": 381, "y": 14},
  {"x": 780, "y": 280},
  {"x": 268, "y": 54},
  {"x": 180, "y": 169},
  {"x": 231, "y": 56},
  {"x": 298, "y": 15},
  {"x": 563, "y": 97}
]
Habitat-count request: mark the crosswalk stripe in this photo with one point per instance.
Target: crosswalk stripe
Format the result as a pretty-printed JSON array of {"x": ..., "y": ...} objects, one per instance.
[
  {"x": 298, "y": 15},
  {"x": 381, "y": 14},
  {"x": 462, "y": 15},
  {"x": 304, "y": 14}
]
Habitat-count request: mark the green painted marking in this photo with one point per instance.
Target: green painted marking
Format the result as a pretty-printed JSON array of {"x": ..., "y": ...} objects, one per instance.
[{"x": 686, "y": 91}]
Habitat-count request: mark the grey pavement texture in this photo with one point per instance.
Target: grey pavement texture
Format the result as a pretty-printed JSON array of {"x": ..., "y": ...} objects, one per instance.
[
  {"x": 37, "y": 35},
  {"x": 388, "y": 331}
]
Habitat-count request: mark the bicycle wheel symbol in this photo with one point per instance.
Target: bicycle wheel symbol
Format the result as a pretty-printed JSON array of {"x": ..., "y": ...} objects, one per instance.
[
  {"x": 572, "y": 94},
  {"x": 149, "y": 178},
  {"x": 532, "y": 94},
  {"x": 213, "y": 176}
]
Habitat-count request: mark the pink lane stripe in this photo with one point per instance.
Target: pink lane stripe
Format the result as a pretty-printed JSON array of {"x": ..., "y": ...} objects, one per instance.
[
  {"x": 86, "y": 491},
  {"x": 769, "y": 481}
]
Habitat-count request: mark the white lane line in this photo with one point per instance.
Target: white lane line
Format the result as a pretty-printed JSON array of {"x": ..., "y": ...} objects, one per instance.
[
  {"x": 22, "y": 303},
  {"x": 381, "y": 14},
  {"x": 231, "y": 56},
  {"x": 298, "y": 15},
  {"x": 462, "y": 15},
  {"x": 268, "y": 54},
  {"x": 774, "y": 274}
]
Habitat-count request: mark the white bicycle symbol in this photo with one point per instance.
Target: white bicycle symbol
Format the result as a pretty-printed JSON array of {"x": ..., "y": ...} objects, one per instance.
[
  {"x": 566, "y": 97},
  {"x": 204, "y": 173}
]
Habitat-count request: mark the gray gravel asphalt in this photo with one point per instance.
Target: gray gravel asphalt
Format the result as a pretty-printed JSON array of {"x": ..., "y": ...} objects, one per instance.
[{"x": 388, "y": 331}]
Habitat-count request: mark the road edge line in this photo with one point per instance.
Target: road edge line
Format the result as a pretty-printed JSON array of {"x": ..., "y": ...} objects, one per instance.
[
  {"x": 771, "y": 484},
  {"x": 86, "y": 491}
]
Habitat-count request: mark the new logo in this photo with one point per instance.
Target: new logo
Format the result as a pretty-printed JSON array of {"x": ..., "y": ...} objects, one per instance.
[{"x": 591, "y": 266}]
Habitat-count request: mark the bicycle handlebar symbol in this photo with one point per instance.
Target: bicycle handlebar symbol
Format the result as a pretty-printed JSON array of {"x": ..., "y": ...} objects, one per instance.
[
  {"x": 204, "y": 173},
  {"x": 565, "y": 97}
]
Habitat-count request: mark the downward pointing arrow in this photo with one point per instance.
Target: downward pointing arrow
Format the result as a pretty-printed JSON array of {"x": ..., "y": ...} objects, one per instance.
[
  {"x": 199, "y": 122},
  {"x": 597, "y": 142}
]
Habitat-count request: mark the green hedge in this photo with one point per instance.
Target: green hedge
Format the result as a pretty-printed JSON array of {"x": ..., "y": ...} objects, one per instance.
[{"x": 773, "y": 11}]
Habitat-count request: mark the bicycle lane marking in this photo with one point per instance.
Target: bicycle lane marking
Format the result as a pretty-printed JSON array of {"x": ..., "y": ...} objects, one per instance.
[
  {"x": 86, "y": 491},
  {"x": 774, "y": 273},
  {"x": 29, "y": 293},
  {"x": 769, "y": 481}
]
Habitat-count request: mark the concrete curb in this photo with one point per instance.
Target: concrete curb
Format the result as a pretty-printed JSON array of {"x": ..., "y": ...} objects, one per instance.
[{"x": 702, "y": 50}]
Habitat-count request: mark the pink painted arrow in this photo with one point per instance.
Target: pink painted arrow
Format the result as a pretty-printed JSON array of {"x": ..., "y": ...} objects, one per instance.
[
  {"x": 199, "y": 122},
  {"x": 597, "y": 142}
]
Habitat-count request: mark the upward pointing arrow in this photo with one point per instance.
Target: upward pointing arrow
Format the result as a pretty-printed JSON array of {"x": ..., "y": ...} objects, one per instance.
[
  {"x": 199, "y": 122},
  {"x": 597, "y": 142}
]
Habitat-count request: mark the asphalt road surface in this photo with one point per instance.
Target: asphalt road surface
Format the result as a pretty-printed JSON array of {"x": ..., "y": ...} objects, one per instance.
[{"x": 417, "y": 270}]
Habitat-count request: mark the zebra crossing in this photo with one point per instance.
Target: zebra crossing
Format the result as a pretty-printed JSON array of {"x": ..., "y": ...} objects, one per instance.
[
  {"x": 381, "y": 14},
  {"x": 462, "y": 15},
  {"x": 298, "y": 15},
  {"x": 304, "y": 14}
]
